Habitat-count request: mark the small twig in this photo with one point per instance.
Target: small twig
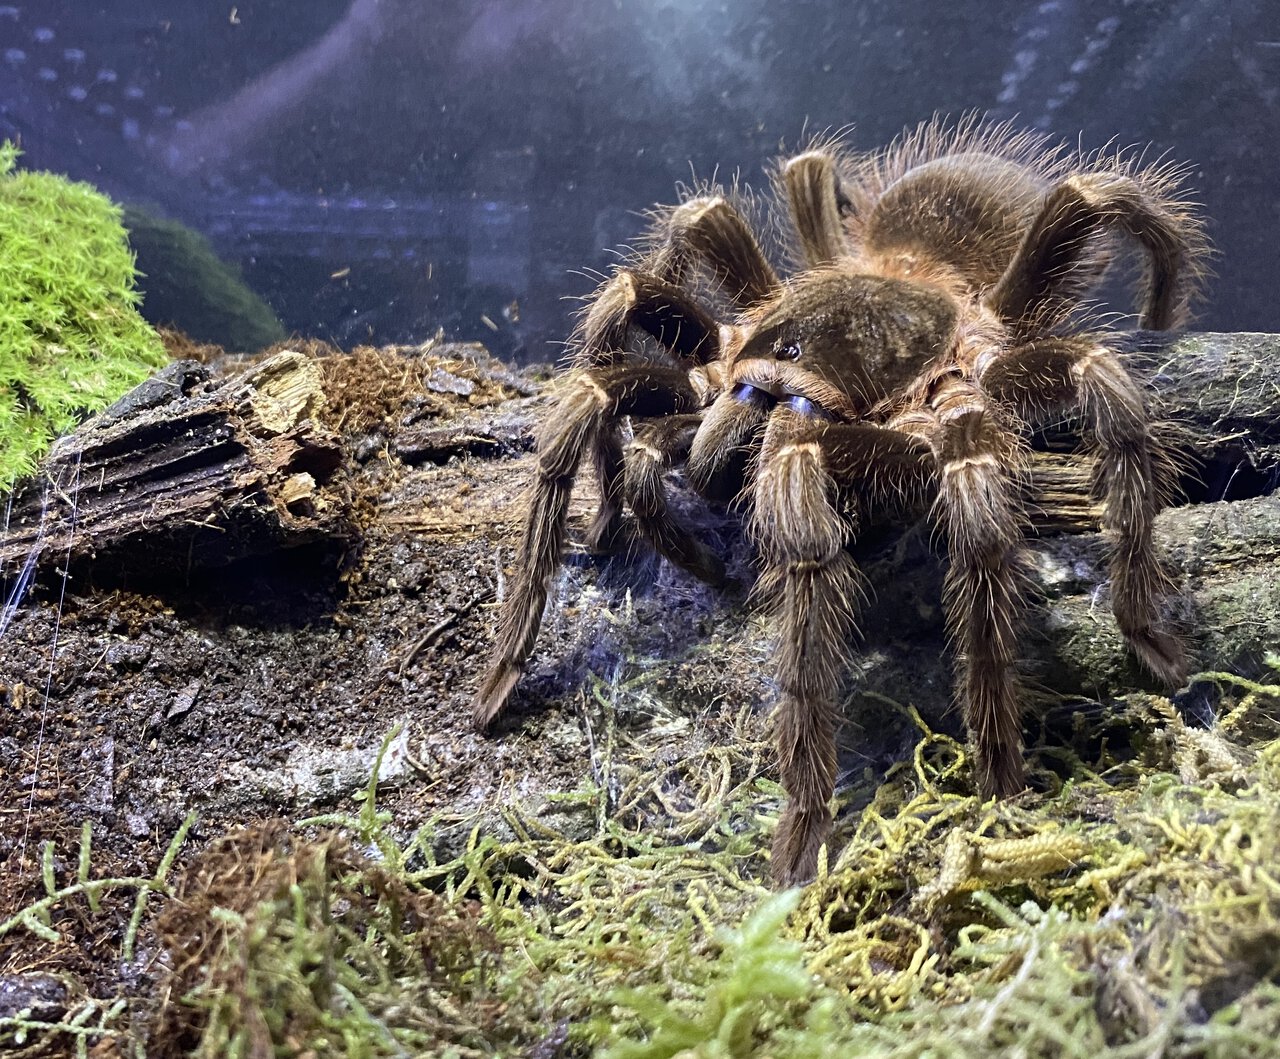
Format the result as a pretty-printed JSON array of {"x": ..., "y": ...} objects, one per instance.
[
  {"x": 426, "y": 640},
  {"x": 29, "y": 916},
  {"x": 454, "y": 615}
]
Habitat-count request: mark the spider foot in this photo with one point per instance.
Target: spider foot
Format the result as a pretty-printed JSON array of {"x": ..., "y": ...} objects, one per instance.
[
  {"x": 610, "y": 534},
  {"x": 493, "y": 694},
  {"x": 1162, "y": 653},
  {"x": 800, "y": 835},
  {"x": 1001, "y": 772},
  {"x": 708, "y": 568}
]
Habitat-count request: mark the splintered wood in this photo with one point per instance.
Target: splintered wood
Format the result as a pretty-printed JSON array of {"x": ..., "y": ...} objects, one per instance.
[{"x": 187, "y": 472}]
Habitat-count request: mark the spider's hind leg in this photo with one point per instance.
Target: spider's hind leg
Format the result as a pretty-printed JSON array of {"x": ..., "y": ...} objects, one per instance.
[
  {"x": 1059, "y": 258},
  {"x": 817, "y": 202},
  {"x": 1135, "y": 473}
]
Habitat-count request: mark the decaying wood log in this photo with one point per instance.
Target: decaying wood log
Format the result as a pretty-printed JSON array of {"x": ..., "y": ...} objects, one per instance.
[
  {"x": 1216, "y": 396},
  {"x": 1223, "y": 389},
  {"x": 1225, "y": 560},
  {"x": 185, "y": 472}
]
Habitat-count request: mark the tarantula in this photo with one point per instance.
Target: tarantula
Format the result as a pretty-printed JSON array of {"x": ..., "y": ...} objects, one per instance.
[{"x": 935, "y": 315}]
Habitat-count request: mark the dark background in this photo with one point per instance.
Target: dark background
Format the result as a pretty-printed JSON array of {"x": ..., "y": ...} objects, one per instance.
[{"x": 380, "y": 168}]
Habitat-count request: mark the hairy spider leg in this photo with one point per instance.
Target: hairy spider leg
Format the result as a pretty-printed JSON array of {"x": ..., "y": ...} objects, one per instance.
[
  {"x": 614, "y": 382},
  {"x": 656, "y": 447},
  {"x": 710, "y": 230},
  {"x": 660, "y": 309},
  {"x": 731, "y": 427},
  {"x": 1060, "y": 258},
  {"x": 736, "y": 420},
  {"x": 979, "y": 509},
  {"x": 816, "y": 202},
  {"x": 815, "y": 590},
  {"x": 591, "y": 403},
  {"x": 1136, "y": 475}
]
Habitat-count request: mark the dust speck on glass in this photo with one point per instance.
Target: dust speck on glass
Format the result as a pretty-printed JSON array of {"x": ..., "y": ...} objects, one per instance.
[{"x": 376, "y": 170}]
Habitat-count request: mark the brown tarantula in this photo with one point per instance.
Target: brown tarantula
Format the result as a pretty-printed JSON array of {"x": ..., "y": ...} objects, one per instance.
[{"x": 936, "y": 315}]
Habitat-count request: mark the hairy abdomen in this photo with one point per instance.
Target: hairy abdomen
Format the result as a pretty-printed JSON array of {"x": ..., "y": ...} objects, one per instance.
[{"x": 968, "y": 210}]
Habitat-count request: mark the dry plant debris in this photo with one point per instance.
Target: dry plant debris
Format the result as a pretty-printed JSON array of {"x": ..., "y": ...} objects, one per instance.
[{"x": 1132, "y": 909}]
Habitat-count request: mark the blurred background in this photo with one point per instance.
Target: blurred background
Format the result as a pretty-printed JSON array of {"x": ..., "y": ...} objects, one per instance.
[{"x": 374, "y": 170}]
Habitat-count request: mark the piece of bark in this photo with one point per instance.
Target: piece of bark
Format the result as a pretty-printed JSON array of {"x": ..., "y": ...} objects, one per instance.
[
  {"x": 211, "y": 474},
  {"x": 488, "y": 434},
  {"x": 1222, "y": 389},
  {"x": 1216, "y": 396},
  {"x": 1225, "y": 562},
  {"x": 187, "y": 472}
]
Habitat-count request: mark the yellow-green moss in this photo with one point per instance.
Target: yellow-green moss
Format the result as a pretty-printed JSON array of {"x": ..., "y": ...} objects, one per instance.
[{"x": 1130, "y": 909}]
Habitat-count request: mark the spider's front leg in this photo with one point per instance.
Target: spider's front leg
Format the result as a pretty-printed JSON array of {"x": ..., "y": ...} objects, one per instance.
[
  {"x": 654, "y": 449},
  {"x": 590, "y": 406},
  {"x": 649, "y": 298},
  {"x": 613, "y": 383},
  {"x": 650, "y": 304},
  {"x": 978, "y": 507},
  {"x": 815, "y": 589},
  {"x": 1044, "y": 379},
  {"x": 731, "y": 430}
]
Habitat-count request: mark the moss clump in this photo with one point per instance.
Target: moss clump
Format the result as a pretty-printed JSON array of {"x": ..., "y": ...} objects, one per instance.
[
  {"x": 283, "y": 942},
  {"x": 189, "y": 286},
  {"x": 71, "y": 339},
  {"x": 758, "y": 972},
  {"x": 1129, "y": 910}
]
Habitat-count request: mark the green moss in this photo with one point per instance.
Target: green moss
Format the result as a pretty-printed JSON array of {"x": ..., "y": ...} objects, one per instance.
[
  {"x": 748, "y": 993},
  {"x": 1129, "y": 910},
  {"x": 71, "y": 339}
]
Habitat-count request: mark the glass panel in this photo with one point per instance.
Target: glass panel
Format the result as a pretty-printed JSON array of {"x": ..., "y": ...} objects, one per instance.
[{"x": 377, "y": 169}]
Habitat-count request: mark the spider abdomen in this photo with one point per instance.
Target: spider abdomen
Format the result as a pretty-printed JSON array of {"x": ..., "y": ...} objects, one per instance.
[{"x": 966, "y": 210}]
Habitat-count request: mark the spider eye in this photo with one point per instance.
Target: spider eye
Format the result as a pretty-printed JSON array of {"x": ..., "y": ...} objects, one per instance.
[{"x": 789, "y": 351}]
